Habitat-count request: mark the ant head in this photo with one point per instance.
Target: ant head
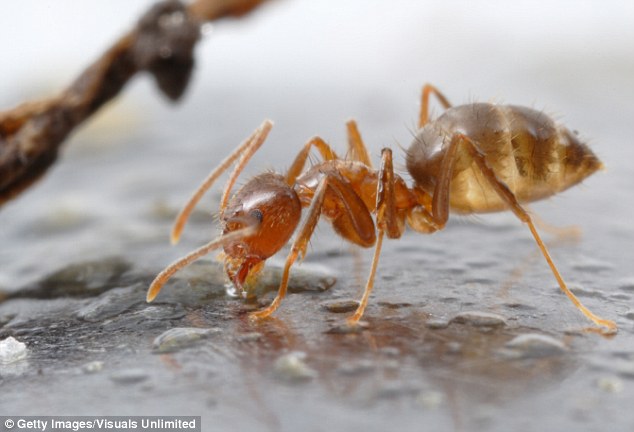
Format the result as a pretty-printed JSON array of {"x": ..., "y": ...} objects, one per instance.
[{"x": 271, "y": 205}]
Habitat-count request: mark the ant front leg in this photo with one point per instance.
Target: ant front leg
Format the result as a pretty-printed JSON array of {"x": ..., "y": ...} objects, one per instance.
[
  {"x": 298, "y": 248},
  {"x": 353, "y": 222},
  {"x": 168, "y": 272},
  {"x": 245, "y": 151},
  {"x": 424, "y": 106},
  {"x": 388, "y": 221},
  {"x": 507, "y": 196}
]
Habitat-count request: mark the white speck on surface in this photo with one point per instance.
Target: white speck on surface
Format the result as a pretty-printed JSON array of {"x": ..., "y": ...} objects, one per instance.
[
  {"x": 479, "y": 319},
  {"x": 291, "y": 367},
  {"x": 93, "y": 366},
  {"x": 430, "y": 399},
  {"x": 12, "y": 350},
  {"x": 531, "y": 345},
  {"x": 610, "y": 384},
  {"x": 178, "y": 338},
  {"x": 129, "y": 376}
]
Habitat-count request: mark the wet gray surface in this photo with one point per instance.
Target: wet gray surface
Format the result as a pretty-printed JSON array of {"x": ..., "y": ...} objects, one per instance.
[{"x": 466, "y": 329}]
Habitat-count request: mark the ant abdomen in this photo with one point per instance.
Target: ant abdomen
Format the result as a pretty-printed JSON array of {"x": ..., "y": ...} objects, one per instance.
[{"x": 530, "y": 153}]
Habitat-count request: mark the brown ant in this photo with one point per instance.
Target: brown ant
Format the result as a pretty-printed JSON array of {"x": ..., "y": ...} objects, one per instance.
[{"x": 474, "y": 158}]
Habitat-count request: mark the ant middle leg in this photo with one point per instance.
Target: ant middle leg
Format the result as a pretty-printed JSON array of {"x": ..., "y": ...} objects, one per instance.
[
  {"x": 388, "y": 222},
  {"x": 424, "y": 106}
]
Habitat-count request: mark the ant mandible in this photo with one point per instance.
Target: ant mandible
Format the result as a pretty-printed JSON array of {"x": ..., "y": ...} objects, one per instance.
[{"x": 473, "y": 158}]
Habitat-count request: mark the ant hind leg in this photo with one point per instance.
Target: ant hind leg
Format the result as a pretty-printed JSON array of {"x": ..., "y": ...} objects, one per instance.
[
  {"x": 507, "y": 195},
  {"x": 357, "y": 150},
  {"x": 424, "y": 106},
  {"x": 563, "y": 234}
]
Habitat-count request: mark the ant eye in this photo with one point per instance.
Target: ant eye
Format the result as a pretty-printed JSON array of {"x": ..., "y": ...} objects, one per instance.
[{"x": 257, "y": 214}]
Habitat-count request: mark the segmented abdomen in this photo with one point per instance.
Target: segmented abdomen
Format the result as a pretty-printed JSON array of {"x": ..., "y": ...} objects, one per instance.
[{"x": 534, "y": 156}]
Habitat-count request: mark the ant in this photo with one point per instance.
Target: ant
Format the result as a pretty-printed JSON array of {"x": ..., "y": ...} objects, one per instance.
[{"x": 474, "y": 158}]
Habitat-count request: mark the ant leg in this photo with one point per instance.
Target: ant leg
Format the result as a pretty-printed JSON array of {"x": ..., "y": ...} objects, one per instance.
[
  {"x": 354, "y": 223},
  {"x": 424, "y": 106},
  {"x": 568, "y": 233},
  {"x": 300, "y": 160},
  {"x": 354, "y": 319},
  {"x": 440, "y": 199},
  {"x": 246, "y": 150},
  {"x": 299, "y": 247},
  {"x": 505, "y": 193},
  {"x": 387, "y": 221},
  {"x": 258, "y": 139},
  {"x": 162, "y": 277},
  {"x": 356, "y": 148}
]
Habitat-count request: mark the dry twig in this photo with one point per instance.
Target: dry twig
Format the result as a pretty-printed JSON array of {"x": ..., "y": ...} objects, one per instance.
[{"x": 162, "y": 44}]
